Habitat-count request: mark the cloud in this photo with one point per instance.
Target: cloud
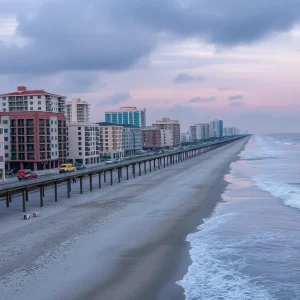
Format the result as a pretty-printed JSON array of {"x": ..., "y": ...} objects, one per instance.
[
  {"x": 110, "y": 35},
  {"x": 235, "y": 97},
  {"x": 186, "y": 78},
  {"x": 236, "y": 104},
  {"x": 202, "y": 100},
  {"x": 223, "y": 89},
  {"x": 116, "y": 98}
]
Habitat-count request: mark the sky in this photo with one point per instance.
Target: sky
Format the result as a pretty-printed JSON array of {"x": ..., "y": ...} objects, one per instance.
[{"x": 191, "y": 60}]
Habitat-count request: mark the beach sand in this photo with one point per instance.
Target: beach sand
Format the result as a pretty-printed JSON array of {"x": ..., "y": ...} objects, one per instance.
[{"x": 127, "y": 242}]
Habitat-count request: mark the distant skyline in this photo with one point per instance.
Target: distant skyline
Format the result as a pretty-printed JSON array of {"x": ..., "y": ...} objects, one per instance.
[{"x": 188, "y": 60}]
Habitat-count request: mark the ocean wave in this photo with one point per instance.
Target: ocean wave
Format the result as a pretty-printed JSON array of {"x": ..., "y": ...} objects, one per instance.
[
  {"x": 288, "y": 192},
  {"x": 216, "y": 270}
]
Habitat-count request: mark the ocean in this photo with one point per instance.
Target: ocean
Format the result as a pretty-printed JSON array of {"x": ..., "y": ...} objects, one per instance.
[{"x": 250, "y": 247}]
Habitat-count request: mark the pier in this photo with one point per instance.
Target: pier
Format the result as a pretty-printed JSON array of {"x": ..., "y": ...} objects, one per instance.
[{"x": 109, "y": 174}]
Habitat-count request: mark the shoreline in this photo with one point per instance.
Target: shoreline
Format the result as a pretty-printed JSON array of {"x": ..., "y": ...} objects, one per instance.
[{"x": 129, "y": 243}]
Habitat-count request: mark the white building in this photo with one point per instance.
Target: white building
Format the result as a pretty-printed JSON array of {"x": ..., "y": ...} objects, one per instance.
[
  {"x": 111, "y": 140},
  {"x": 168, "y": 124},
  {"x": 127, "y": 116},
  {"x": 185, "y": 137},
  {"x": 166, "y": 136},
  {"x": 199, "y": 132},
  {"x": 2, "y": 154},
  {"x": 84, "y": 143},
  {"x": 78, "y": 111},
  {"x": 32, "y": 100}
]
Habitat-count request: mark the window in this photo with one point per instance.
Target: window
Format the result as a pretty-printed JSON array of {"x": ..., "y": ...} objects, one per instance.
[
  {"x": 1, "y": 145},
  {"x": 79, "y": 133},
  {"x": 31, "y": 97},
  {"x": 3, "y": 98},
  {"x": 5, "y": 122},
  {"x": 79, "y": 148},
  {"x": 52, "y": 153},
  {"x": 31, "y": 102},
  {"x": 31, "y": 108},
  {"x": 52, "y": 138},
  {"x": 39, "y": 102},
  {"x": 39, "y": 97},
  {"x": 39, "y": 108},
  {"x": 80, "y": 153},
  {"x": 6, "y": 139},
  {"x": 51, "y": 129},
  {"x": 3, "y": 104},
  {"x": 4, "y": 109},
  {"x": 6, "y": 154},
  {"x": 6, "y": 147},
  {"x": 5, "y": 130},
  {"x": 79, "y": 128},
  {"x": 79, "y": 138},
  {"x": 79, "y": 143},
  {"x": 51, "y": 121}
]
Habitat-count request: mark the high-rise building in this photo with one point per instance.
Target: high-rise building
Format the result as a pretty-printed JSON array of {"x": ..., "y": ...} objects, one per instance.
[
  {"x": 166, "y": 138},
  {"x": 78, "y": 111},
  {"x": 216, "y": 128},
  {"x": 111, "y": 140},
  {"x": 84, "y": 143},
  {"x": 127, "y": 115},
  {"x": 199, "y": 132},
  {"x": 185, "y": 137},
  {"x": 168, "y": 124},
  {"x": 32, "y": 100},
  {"x": 151, "y": 138},
  {"x": 132, "y": 139},
  {"x": 35, "y": 132}
]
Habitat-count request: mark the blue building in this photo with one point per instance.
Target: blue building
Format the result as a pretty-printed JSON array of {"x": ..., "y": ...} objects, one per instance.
[{"x": 127, "y": 116}]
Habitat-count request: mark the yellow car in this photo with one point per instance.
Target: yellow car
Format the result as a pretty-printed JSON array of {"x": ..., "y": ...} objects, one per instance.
[{"x": 66, "y": 168}]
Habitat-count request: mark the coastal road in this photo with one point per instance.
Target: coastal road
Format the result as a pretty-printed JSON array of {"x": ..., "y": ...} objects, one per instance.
[{"x": 123, "y": 242}]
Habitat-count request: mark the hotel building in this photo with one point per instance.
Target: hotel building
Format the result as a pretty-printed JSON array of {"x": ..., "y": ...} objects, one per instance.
[
  {"x": 199, "y": 132},
  {"x": 127, "y": 115},
  {"x": 35, "y": 132},
  {"x": 168, "y": 124},
  {"x": 84, "y": 143},
  {"x": 78, "y": 111},
  {"x": 216, "y": 128},
  {"x": 151, "y": 138},
  {"x": 111, "y": 140}
]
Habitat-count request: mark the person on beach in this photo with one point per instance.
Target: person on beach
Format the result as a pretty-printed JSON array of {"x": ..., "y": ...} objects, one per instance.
[{"x": 74, "y": 179}]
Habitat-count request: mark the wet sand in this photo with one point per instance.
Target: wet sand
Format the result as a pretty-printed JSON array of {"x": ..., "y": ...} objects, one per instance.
[{"x": 125, "y": 242}]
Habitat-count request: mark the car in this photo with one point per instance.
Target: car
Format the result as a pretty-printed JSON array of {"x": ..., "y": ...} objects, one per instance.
[
  {"x": 118, "y": 160},
  {"x": 66, "y": 168},
  {"x": 81, "y": 167},
  {"x": 11, "y": 171},
  {"x": 108, "y": 162},
  {"x": 26, "y": 174}
]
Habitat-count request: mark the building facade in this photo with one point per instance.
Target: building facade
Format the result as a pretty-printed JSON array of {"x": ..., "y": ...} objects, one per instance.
[
  {"x": 132, "y": 140},
  {"x": 32, "y": 100},
  {"x": 185, "y": 137},
  {"x": 166, "y": 138},
  {"x": 127, "y": 115},
  {"x": 35, "y": 132},
  {"x": 111, "y": 140},
  {"x": 230, "y": 131},
  {"x": 151, "y": 138},
  {"x": 78, "y": 111},
  {"x": 199, "y": 132},
  {"x": 2, "y": 154},
  {"x": 216, "y": 128},
  {"x": 84, "y": 143},
  {"x": 168, "y": 124},
  {"x": 34, "y": 140}
]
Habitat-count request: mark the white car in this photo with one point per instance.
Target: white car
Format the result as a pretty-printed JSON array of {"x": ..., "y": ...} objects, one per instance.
[{"x": 109, "y": 162}]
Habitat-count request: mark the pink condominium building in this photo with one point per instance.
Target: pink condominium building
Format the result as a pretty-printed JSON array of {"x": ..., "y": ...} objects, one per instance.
[{"x": 2, "y": 154}]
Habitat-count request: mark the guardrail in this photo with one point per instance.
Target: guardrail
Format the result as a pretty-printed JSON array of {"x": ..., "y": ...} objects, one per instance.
[{"x": 163, "y": 159}]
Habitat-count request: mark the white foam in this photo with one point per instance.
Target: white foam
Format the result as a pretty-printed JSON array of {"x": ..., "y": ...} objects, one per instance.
[
  {"x": 289, "y": 193},
  {"x": 215, "y": 272}
]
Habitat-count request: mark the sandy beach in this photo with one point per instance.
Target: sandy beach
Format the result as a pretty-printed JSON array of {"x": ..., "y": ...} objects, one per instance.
[{"x": 125, "y": 242}]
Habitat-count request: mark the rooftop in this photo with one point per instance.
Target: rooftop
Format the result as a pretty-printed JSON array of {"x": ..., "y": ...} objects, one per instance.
[
  {"x": 22, "y": 91},
  {"x": 109, "y": 124}
]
